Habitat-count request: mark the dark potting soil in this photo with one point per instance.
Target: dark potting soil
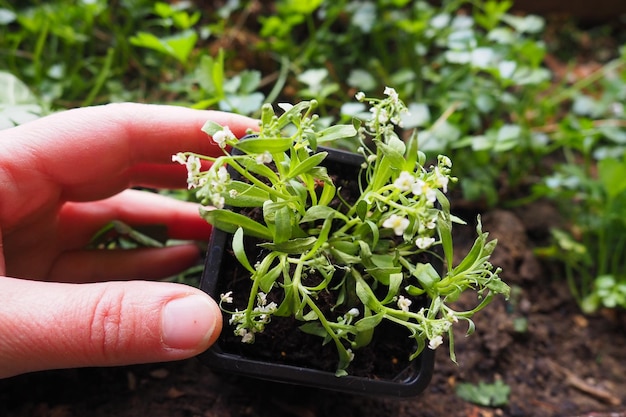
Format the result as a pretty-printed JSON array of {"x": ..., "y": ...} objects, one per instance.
[{"x": 283, "y": 342}]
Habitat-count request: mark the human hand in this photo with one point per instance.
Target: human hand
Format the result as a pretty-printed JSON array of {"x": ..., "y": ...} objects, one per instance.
[{"x": 64, "y": 177}]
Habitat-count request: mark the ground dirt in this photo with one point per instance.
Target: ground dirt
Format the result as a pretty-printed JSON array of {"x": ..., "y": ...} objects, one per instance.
[{"x": 562, "y": 364}]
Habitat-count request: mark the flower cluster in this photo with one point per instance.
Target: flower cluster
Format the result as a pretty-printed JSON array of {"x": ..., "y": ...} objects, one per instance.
[
  {"x": 248, "y": 322},
  {"x": 370, "y": 249}
]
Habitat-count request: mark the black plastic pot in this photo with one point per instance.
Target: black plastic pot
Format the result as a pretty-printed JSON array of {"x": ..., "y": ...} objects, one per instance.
[{"x": 409, "y": 382}]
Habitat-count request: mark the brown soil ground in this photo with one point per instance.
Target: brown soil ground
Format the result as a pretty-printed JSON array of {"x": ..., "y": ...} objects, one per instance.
[{"x": 563, "y": 364}]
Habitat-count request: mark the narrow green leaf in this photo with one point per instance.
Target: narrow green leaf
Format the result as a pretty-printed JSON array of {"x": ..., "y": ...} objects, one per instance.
[
  {"x": 229, "y": 222},
  {"x": 314, "y": 328},
  {"x": 411, "y": 153},
  {"x": 367, "y": 323},
  {"x": 413, "y": 290},
  {"x": 394, "y": 285},
  {"x": 427, "y": 275},
  {"x": 292, "y": 246},
  {"x": 239, "y": 250},
  {"x": 336, "y": 132},
  {"x": 283, "y": 222},
  {"x": 366, "y": 295},
  {"x": 307, "y": 164},
  {"x": 247, "y": 195},
  {"x": 260, "y": 145},
  {"x": 211, "y": 128},
  {"x": 319, "y": 213}
]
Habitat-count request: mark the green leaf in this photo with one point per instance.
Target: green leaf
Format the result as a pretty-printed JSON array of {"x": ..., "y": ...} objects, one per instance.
[
  {"x": 239, "y": 250},
  {"x": 344, "y": 258},
  {"x": 427, "y": 275},
  {"x": 266, "y": 281},
  {"x": 282, "y": 222},
  {"x": 260, "y": 169},
  {"x": 292, "y": 246},
  {"x": 366, "y": 295},
  {"x": 413, "y": 290},
  {"x": 393, "y": 150},
  {"x": 229, "y": 221},
  {"x": 612, "y": 173},
  {"x": 394, "y": 284},
  {"x": 292, "y": 112},
  {"x": 211, "y": 128},
  {"x": 247, "y": 195},
  {"x": 361, "y": 210},
  {"x": 314, "y": 328},
  {"x": 306, "y": 165},
  {"x": 320, "y": 212},
  {"x": 477, "y": 253},
  {"x": 336, "y": 132},
  {"x": 259, "y": 145},
  {"x": 488, "y": 395},
  {"x": 411, "y": 153},
  {"x": 368, "y": 323}
]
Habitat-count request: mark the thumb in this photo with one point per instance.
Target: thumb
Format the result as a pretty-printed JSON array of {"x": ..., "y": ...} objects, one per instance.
[{"x": 53, "y": 325}]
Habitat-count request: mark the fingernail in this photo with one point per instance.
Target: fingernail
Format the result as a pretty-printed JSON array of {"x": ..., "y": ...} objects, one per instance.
[{"x": 188, "y": 322}]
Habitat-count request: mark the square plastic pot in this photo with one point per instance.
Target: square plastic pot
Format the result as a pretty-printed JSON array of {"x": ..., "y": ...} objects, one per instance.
[{"x": 408, "y": 382}]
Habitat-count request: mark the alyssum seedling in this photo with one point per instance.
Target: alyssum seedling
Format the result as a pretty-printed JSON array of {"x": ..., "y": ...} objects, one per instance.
[{"x": 368, "y": 251}]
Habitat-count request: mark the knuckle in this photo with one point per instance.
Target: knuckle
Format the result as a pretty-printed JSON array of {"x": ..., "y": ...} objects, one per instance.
[{"x": 106, "y": 331}]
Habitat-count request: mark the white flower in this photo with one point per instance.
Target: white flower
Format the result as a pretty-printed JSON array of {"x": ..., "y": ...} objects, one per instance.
[
  {"x": 219, "y": 179},
  {"x": 237, "y": 317},
  {"x": 397, "y": 223},
  {"x": 222, "y": 175},
  {"x": 404, "y": 303},
  {"x": 442, "y": 179},
  {"x": 420, "y": 187},
  {"x": 218, "y": 201},
  {"x": 431, "y": 224},
  {"x": 353, "y": 312},
  {"x": 371, "y": 158},
  {"x": 350, "y": 355},
  {"x": 246, "y": 336},
  {"x": 435, "y": 342},
  {"x": 405, "y": 181},
  {"x": 193, "y": 165},
  {"x": 261, "y": 298},
  {"x": 452, "y": 317},
  {"x": 360, "y": 96},
  {"x": 264, "y": 158},
  {"x": 227, "y": 297},
  {"x": 381, "y": 115},
  {"x": 180, "y": 157},
  {"x": 222, "y": 136},
  {"x": 233, "y": 193},
  {"x": 391, "y": 92},
  {"x": 424, "y": 242}
]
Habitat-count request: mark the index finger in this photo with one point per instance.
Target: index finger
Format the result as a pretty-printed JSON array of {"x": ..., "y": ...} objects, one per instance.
[{"x": 90, "y": 152}]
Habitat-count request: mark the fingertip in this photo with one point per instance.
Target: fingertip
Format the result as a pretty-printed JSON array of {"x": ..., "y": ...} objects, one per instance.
[{"x": 191, "y": 323}]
